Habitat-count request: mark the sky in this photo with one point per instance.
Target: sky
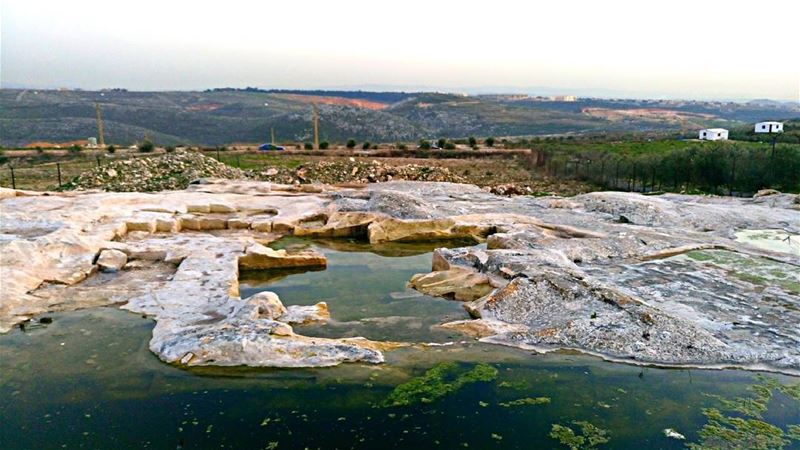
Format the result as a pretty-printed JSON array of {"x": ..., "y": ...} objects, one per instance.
[{"x": 698, "y": 49}]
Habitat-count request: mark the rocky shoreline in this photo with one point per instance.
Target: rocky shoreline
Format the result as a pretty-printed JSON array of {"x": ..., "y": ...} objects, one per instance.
[{"x": 662, "y": 280}]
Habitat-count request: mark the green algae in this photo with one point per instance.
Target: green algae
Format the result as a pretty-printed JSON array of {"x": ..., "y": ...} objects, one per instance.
[
  {"x": 793, "y": 432},
  {"x": 750, "y": 269},
  {"x": 590, "y": 435},
  {"x": 748, "y": 430},
  {"x": 526, "y": 401},
  {"x": 726, "y": 432},
  {"x": 437, "y": 382}
]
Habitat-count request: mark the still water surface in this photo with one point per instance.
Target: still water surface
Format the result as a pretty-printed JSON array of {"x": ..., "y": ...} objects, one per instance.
[{"x": 87, "y": 380}]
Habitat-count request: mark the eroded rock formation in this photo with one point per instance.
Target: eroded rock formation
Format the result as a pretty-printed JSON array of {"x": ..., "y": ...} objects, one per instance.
[{"x": 625, "y": 276}]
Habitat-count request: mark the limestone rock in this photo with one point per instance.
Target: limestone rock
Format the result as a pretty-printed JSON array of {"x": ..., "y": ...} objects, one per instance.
[
  {"x": 267, "y": 305},
  {"x": 296, "y": 314},
  {"x": 111, "y": 260},
  {"x": 481, "y": 328},
  {"x": 457, "y": 283},
  {"x": 258, "y": 256}
]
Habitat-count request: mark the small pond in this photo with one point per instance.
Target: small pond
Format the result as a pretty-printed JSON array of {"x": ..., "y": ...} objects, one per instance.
[{"x": 88, "y": 380}]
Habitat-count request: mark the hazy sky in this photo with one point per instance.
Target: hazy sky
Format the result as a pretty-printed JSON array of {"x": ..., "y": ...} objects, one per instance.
[{"x": 676, "y": 48}]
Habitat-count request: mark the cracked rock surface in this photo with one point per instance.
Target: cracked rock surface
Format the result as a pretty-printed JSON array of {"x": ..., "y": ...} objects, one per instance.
[{"x": 673, "y": 279}]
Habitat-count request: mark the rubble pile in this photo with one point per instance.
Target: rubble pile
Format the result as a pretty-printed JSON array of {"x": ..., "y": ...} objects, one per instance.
[
  {"x": 354, "y": 171},
  {"x": 153, "y": 173},
  {"x": 566, "y": 188}
]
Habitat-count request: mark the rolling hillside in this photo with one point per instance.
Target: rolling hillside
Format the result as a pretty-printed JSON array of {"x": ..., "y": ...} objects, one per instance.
[{"x": 223, "y": 116}]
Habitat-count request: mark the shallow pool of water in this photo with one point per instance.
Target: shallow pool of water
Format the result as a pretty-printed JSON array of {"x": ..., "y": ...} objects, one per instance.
[
  {"x": 88, "y": 380},
  {"x": 365, "y": 289}
]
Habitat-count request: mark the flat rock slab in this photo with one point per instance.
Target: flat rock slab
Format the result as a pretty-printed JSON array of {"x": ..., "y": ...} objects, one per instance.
[{"x": 613, "y": 274}]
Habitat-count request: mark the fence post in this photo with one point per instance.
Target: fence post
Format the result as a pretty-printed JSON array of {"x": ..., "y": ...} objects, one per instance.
[
  {"x": 58, "y": 168},
  {"x": 633, "y": 188},
  {"x": 238, "y": 163},
  {"x": 603, "y": 172},
  {"x": 97, "y": 157},
  {"x": 13, "y": 180},
  {"x": 218, "y": 157},
  {"x": 653, "y": 180}
]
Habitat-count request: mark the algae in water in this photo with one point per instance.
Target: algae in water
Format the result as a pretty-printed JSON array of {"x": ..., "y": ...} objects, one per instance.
[
  {"x": 526, "y": 401},
  {"x": 590, "y": 435},
  {"x": 439, "y": 381},
  {"x": 750, "y": 431}
]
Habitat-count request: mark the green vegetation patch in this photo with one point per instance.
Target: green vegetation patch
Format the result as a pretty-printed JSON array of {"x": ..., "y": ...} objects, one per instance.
[
  {"x": 590, "y": 436},
  {"x": 745, "y": 427},
  {"x": 750, "y": 269},
  {"x": 526, "y": 401},
  {"x": 439, "y": 381}
]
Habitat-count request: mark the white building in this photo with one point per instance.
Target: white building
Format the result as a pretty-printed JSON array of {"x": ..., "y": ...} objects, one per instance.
[
  {"x": 769, "y": 127},
  {"x": 714, "y": 134}
]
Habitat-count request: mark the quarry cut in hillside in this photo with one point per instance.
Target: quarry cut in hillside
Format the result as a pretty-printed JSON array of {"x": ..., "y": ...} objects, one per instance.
[{"x": 667, "y": 280}]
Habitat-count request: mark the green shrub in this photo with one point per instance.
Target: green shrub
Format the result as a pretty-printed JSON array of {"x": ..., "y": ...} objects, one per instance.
[
  {"x": 324, "y": 145},
  {"x": 170, "y": 149},
  {"x": 146, "y": 146},
  {"x": 74, "y": 149},
  {"x": 351, "y": 143},
  {"x": 111, "y": 149},
  {"x": 489, "y": 142},
  {"x": 473, "y": 142},
  {"x": 366, "y": 146},
  {"x": 402, "y": 147},
  {"x": 308, "y": 146},
  {"x": 424, "y": 144},
  {"x": 441, "y": 142},
  {"x": 449, "y": 145}
]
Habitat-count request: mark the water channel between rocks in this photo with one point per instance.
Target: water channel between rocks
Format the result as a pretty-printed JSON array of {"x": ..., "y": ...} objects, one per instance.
[{"x": 88, "y": 380}]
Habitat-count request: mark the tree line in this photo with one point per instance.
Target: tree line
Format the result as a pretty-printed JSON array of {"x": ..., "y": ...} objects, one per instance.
[{"x": 734, "y": 169}]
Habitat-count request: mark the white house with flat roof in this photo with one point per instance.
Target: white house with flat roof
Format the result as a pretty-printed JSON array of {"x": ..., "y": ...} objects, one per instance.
[
  {"x": 713, "y": 134},
  {"x": 769, "y": 127}
]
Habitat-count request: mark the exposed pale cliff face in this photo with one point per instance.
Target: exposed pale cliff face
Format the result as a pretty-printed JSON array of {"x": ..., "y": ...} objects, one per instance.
[{"x": 590, "y": 272}]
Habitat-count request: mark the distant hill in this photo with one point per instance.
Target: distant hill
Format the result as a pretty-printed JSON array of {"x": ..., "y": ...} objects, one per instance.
[{"x": 227, "y": 115}]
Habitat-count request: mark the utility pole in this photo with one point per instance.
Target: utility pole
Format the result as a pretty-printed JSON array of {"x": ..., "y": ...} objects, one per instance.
[
  {"x": 316, "y": 126},
  {"x": 100, "y": 139},
  {"x": 272, "y": 135}
]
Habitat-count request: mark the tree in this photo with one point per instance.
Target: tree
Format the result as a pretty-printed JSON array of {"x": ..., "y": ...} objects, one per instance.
[
  {"x": 351, "y": 143},
  {"x": 489, "y": 142},
  {"x": 308, "y": 146},
  {"x": 324, "y": 145},
  {"x": 424, "y": 144},
  {"x": 366, "y": 146},
  {"x": 111, "y": 149},
  {"x": 472, "y": 141},
  {"x": 146, "y": 146}
]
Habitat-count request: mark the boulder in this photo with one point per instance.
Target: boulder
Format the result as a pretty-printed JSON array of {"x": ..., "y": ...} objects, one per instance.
[
  {"x": 111, "y": 260},
  {"x": 457, "y": 283},
  {"x": 258, "y": 256},
  {"x": 266, "y": 305}
]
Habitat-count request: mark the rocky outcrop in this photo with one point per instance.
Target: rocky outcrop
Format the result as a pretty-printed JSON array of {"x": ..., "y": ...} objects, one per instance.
[
  {"x": 624, "y": 276},
  {"x": 111, "y": 260},
  {"x": 257, "y": 256},
  {"x": 456, "y": 283}
]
